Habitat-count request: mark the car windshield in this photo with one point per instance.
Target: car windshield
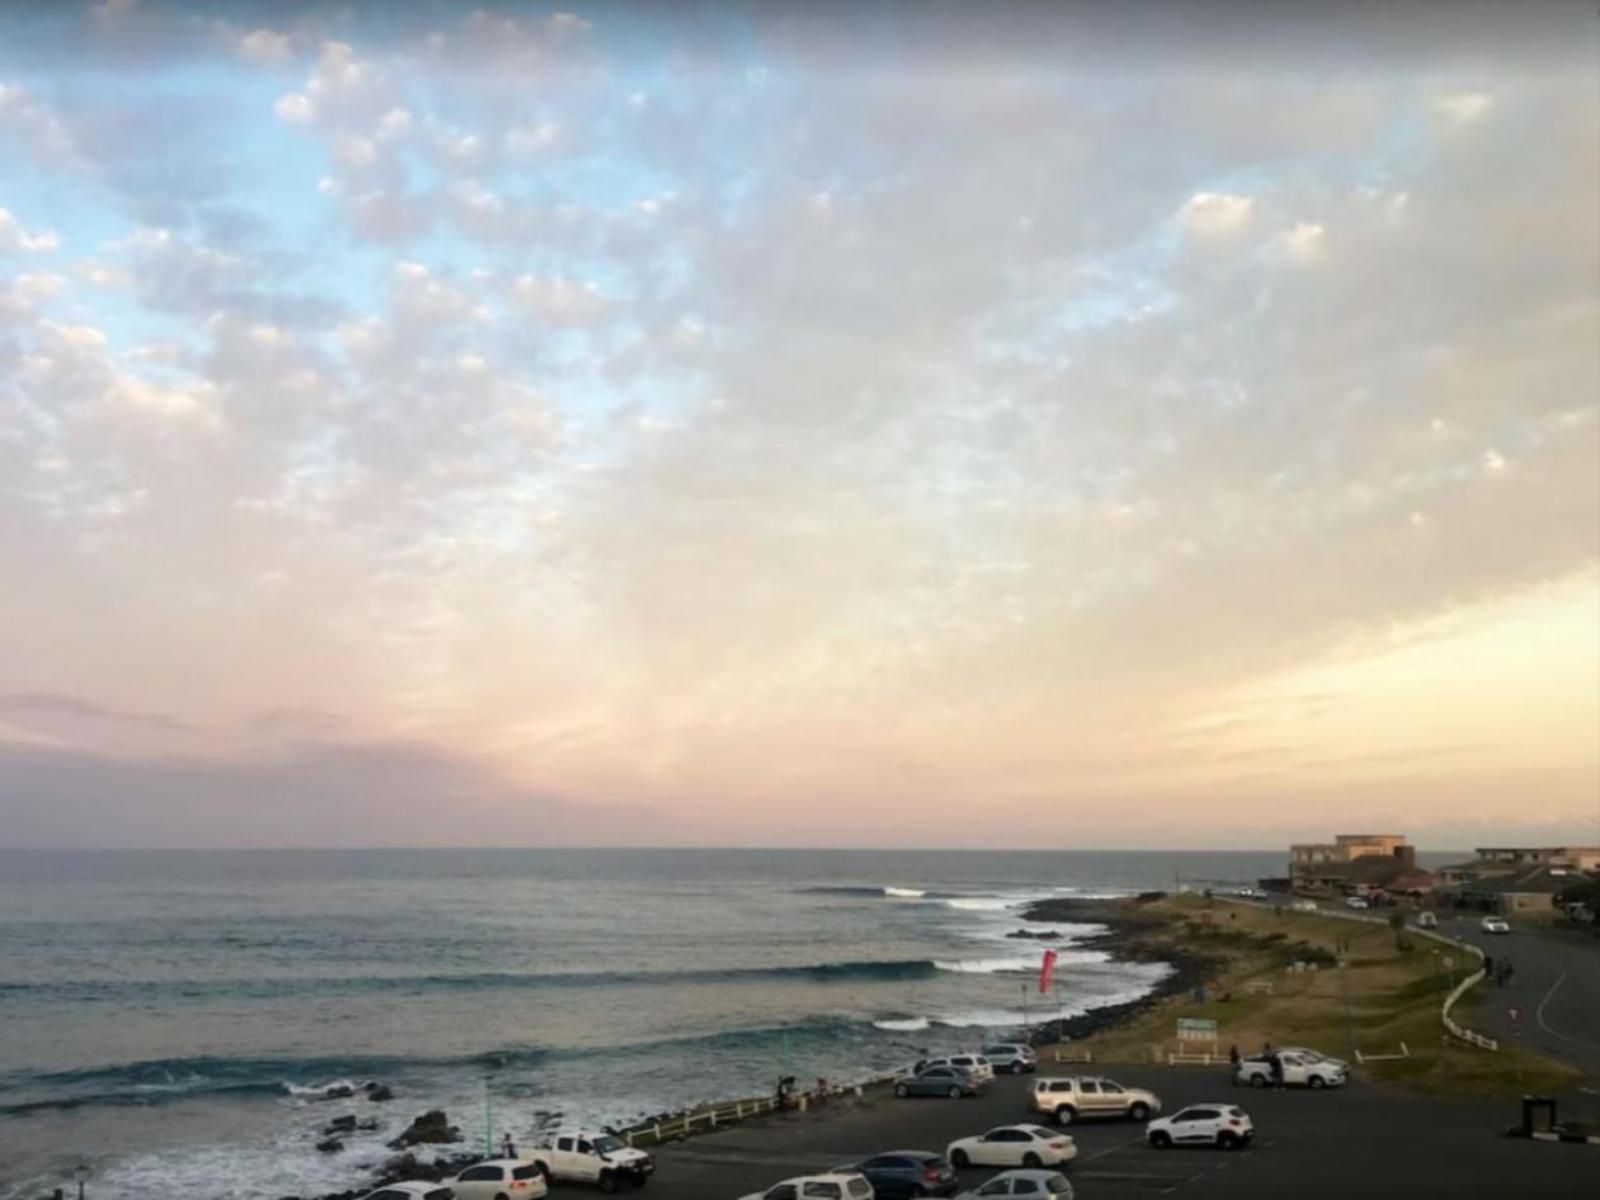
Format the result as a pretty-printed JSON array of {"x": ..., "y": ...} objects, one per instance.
[{"x": 608, "y": 1145}]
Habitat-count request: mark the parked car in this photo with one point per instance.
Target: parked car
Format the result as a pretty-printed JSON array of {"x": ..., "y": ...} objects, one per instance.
[
  {"x": 1355, "y": 902},
  {"x": 907, "y": 1173},
  {"x": 1494, "y": 925},
  {"x": 412, "y": 1189},
  {"x": 1015, "y": 1058},
  {"x": 1318, "y": 1055},
  {"x": 937, "y": 1081},
  {"x": 976, "y": 1065},
  {"x": 1045, "y": 1185},
  {"x": 835, "y": 1185},
  {"x": 501, "y": 1179},
  {"x": 1299, "y": 1070},
  {"x": 592, "y": 1158},
  {"x": 1304, "y": 906},
  {"x": 1221, "y": 1125},
  {"x": 1013, "y": 1146},
  {"x": 1072, "y": 1098},
  {"x": 1427, "y": 920}
]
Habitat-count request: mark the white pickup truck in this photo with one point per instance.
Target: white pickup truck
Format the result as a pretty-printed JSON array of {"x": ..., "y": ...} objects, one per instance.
[
  {"x": 598, "y": 1158},
  {"x": 1301, "y": 1068}
]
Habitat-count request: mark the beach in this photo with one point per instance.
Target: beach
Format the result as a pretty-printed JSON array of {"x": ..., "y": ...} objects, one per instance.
[{"x": 173, "y": 1018}]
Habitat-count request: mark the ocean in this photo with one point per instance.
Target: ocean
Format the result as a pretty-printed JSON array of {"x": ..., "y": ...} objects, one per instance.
[{"x": 166, "y": 1017}]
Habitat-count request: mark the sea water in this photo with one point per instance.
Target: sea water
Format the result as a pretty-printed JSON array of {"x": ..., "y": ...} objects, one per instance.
[{"x": 170, "y": 1018}]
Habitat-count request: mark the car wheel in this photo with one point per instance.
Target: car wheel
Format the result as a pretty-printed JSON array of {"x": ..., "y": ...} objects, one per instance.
[
  {"x": 501, "y": 1196},
  {"x": 955, "y": 1093},
  {"x": 1318, "y": 1082},
  {"x": 1139, "y": 1111},
  {"x": 1226, "y": 1140},
  {"x": 901, "y": 1090},
  {"x": 960, "y": 1159},
  {"x": 1031, "y": 1160},
  {"x": 1065, "y": 1115},
  {"x": 1161, "y": 1139},
  {"x": 1258, "y": 1081},
  {"x": 608, "y": 1182}
]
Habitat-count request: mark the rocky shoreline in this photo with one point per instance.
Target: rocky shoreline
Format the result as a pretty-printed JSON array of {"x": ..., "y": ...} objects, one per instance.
[{"x": 1129, "y": 937}]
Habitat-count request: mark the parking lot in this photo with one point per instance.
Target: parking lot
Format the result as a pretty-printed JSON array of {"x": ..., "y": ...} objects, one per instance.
[{"x": 1357, "y": 1141}]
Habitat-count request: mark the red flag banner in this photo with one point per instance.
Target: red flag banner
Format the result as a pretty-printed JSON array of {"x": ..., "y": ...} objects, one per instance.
[{"x": 1047, "y": 971}]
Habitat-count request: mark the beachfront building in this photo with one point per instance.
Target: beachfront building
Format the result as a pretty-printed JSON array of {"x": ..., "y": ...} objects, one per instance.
[
  {"x": 1358, "y": 864},
  {"x": 1524, "y": 892},
  {"x": 1494, "y": 861}
]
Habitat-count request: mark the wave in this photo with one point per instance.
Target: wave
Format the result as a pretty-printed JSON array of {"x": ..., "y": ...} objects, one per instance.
[
  {"x": 891, "y": 891},
  {"x": 884, "y": 969},
  {"x": 990, "y": 966},
  {"x": 983, "y": 903},
  {"x": 903, "y": 1025}
]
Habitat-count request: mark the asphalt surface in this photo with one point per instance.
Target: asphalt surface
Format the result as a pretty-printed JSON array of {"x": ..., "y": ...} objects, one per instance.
[
  {"x": 1359, "y": 1141},
  {"x": 1555, "y": 990}
]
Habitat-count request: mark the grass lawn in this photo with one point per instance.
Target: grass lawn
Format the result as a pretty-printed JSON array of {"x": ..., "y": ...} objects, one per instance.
[{"x": 1385, "y": 996}]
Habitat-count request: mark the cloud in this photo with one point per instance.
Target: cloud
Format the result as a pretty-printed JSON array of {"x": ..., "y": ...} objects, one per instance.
[
  {"x": 53, "y": 704},
  {"x": 1214, "y": 213},
  {"x": 15, "y": 239},
  {"x": 264, "y": 46}
]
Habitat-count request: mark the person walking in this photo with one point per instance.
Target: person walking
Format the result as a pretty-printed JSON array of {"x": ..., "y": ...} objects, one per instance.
[
  {"x": 1275, "y": 1062},
  {"x": 508, "y": 1148}
]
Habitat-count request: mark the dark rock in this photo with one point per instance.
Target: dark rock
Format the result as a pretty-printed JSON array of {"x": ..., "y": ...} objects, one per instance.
[
  {"x": 1048, "y": 935},
  {"x": 341, "y": 1125},
  {"x": 338, "y": 1092},
  {"x": 330, "y": 1146},
  {"x": 378, "y": 1093},
  {"x": 431, "y": 1128},
  {"x": 367, "y": 1125}
]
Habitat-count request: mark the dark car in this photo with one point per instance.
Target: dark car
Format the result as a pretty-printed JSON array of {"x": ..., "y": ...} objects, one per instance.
[
  {"x": 905, "y": 1173},
  {"x": 937, "y": 1081}
]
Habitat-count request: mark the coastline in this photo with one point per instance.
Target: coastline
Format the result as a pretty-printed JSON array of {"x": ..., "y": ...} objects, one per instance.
[{"x": 1130, "y": 935}]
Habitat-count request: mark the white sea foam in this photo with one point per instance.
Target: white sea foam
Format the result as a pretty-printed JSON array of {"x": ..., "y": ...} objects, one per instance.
[
  {"x": 905, "y": 893},
  {"x": 318, "y": 1090},
  {"x": 988, "y": 966},
  {"x": 982, "y": 903},
  {"x": 906, "y": 1025}
]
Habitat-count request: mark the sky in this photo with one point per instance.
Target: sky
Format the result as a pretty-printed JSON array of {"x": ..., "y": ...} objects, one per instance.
[{"x": 822, "y": 425}]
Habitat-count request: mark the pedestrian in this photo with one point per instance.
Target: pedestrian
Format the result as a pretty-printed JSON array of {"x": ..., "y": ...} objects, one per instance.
[
  {"x": 1233, "y": 1056},
  {"x": 1488, "y": 966},
  {"x": 1275, "y": 1062},
  {"x": 1510, "y": 970},
  {"x": 508, "y": 1148}
]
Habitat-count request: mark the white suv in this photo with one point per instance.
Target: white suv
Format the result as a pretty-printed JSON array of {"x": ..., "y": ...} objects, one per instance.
[
  {"x": 836, "y": 1185},
  {"x": 975, "y": 1065},
  {"x": 1014, "y": 1057},
  {"x": 1220, "y": 1125},
  {"x": 513, "y": 1178},
  {"x": 1076, "y": 1097}
]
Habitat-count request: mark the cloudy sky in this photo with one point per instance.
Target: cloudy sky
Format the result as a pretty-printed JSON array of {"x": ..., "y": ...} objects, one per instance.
[{"x": 824, "y": 425}]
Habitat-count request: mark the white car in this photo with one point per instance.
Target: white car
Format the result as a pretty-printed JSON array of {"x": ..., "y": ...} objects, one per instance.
[
  {"x": 1012, "y": 1057},
  {"x": 836, "y": 1185},
  {"x": 1318, "y": 1055},
  {"x": 1013, "y": 1146},
  {"x": 1221, "y": 1125},
  {"x": 1494, "y": 925},
  {"x": 1299, "y": 1070},
  {"x": 1355, "y": 902},
  {"x": 592, "y": 1158},
  {"x": 508, "y": 1178},
  {"x": 1041, "y": 1184},
  {"x": 1304, "y": 906},
  {"x": 412, "y": 1190},
  {"x": 975, "y": 1065}
]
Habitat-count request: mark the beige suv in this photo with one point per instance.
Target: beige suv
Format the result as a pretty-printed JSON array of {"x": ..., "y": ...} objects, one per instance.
[{"x": 1081, "y": 1096}]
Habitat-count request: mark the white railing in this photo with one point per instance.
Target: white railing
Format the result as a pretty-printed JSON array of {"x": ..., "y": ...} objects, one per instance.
[
  {"x": 1405, "y": 1052},
  {"x": 1178, "y": 1059},
  {"x": 1073, "y": 1056}
]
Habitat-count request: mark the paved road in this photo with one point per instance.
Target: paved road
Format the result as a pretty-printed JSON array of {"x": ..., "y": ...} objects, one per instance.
[
  {"x": 1362, "y": 1141},
  {"x": 1555, "y": 988}
]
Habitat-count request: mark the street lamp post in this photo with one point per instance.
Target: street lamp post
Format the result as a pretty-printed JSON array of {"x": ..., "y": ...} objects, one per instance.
[{"x": 81, "y": 1174}]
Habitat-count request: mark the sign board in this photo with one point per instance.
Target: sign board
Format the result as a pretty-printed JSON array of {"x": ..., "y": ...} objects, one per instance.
[{"x": 1192, "y": 1029}]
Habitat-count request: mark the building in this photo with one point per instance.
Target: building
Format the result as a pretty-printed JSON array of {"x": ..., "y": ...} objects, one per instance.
[
  {"x": 1357, "y": 862},
  {"x": 1492, "y": 861},
  {"x": 1524, "y": 891}
]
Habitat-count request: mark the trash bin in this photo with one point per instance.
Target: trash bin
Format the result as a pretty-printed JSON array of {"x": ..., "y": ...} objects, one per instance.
[{"x": 1538, "y": 1115}]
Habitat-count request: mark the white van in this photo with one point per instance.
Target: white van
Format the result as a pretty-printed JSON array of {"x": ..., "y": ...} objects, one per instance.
[{"x": 1427, "y": 921}]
